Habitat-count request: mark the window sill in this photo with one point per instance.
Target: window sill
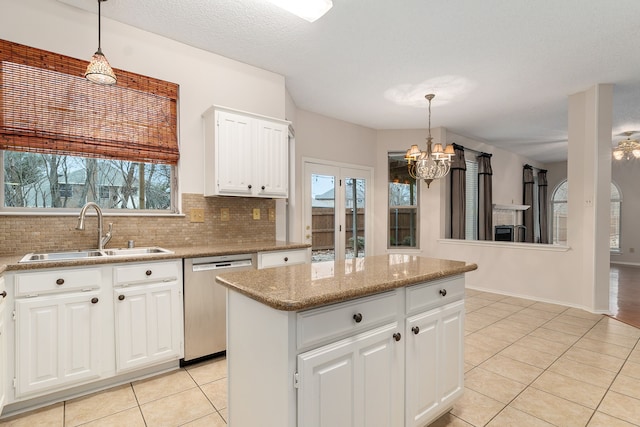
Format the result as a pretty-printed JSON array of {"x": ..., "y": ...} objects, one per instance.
[{"x": 506, "y": 245}]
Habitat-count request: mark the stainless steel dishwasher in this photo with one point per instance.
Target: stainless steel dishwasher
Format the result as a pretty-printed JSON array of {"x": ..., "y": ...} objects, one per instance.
[{"x": 205, "y": 303}]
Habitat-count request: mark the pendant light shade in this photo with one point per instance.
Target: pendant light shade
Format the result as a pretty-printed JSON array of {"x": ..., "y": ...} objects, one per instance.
[{"x": 99, "y": 71}]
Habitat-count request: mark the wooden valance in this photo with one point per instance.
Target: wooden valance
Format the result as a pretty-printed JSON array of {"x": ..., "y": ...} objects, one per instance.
[{"x": 47, "y": 106}]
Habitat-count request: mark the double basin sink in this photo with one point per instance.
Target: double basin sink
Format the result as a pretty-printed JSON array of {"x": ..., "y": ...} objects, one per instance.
[{"x": 92, "y": 253}]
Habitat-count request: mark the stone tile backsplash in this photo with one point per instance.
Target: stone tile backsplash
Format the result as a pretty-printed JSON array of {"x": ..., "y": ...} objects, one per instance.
[{"x": 26, "y": 233}]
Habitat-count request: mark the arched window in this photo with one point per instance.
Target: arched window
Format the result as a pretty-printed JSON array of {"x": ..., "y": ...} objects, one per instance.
[{"x": 559, "y": 215}]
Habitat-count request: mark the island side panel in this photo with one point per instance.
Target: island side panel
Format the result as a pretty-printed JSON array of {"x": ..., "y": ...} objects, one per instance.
[{"x": 261, "y": 364}]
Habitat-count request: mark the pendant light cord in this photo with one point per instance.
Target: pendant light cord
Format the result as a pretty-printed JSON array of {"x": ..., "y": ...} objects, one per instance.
[{"x": 99, "y": 26}]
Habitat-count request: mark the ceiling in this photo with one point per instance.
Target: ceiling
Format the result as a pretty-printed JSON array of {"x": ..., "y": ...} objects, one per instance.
[{"x": 502, "y": 70}]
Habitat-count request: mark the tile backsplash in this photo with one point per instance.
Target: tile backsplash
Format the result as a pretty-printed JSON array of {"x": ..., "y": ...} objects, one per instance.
[{"x": 34, "y": 233}]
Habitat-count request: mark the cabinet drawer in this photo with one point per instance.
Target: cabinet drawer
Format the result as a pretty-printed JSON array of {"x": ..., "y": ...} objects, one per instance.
[
  {"x": 280, "y": 258},
  {"x": 347, "y": 318},
  {"x": 146, "y": 272},
  {"x": 433, "y": 294},
  {"x": 64, "y": 280}
]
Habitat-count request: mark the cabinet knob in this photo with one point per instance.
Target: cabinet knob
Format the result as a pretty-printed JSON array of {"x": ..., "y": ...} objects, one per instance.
[
  {"x": 263, "y": 187},
  {"x": 397, "y": 336},
  {"x": 286, "y": 259},
  {"x": 443, "y": 292},
  {"x": 249, "y": 186},
  {"x": 60, "y": 282},
  {"x": 148, "y": 273},
  {"x": 4, "y": 294},
  {"x": 120, "y": 297},
  {"x": 415, "y": 330},
  {"x": 94, "y": 300},
  {"x": 357, "y": 317}
]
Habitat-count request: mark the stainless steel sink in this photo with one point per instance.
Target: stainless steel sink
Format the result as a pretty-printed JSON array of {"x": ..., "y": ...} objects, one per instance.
[
  {"x": 136, "y": 251},
  {"x": 61, "y": 256},
  {"x": 78, "y": 255}
]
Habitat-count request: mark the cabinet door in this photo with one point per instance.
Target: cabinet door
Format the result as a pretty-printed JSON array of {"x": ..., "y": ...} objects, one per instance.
[
  {"x": 148, "y": 324},
  {"x": 353, "y": 382},
  {"x": 422, "y": 366},
  {"x": 272, "y": 169},
  {"x": 235, "y": 153},
  {"x": 3, "y": 345},
  {"x": 451, "y": 381},
  {"x": 57, "y": 341}
]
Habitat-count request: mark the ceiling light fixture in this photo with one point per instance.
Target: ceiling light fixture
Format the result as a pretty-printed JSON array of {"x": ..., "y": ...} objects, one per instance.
[
  {"x": 432, "y": 163},
  {"x": 309, "y": 10},
  {"x": 626, "y": 148},
  {"x": 99, "y": 71}
]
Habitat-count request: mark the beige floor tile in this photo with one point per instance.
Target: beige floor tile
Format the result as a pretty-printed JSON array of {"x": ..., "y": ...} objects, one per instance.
[
  {"x": 475, "y": 321},
  {"x": 635, "y": 355},
  {"x": 511, "y": 417},
  {"x": 546, "y": 346},
  {"x": 177, "y": 409},
  {"x": 592, "y": 358},
  {"x": 473, "y": 304},
  {"x": 505, "y": 306},
  {"x": 493, "y": 385},
  {"x": 468, "y": 366},
  {"x": 211, "y": 420},
  {"x": 206, "y": 372},
  {"x": 603, "y": 420},
  {"x": 552, "y": 333},
  {"x": 468, "y": 292},
  {"x": 224, "y": 414},
  {"x": 491, "y": 310},
  {"x": 518, "y": 301},
  {"x": 631, "y": 369},
  {"x": 576, "y": 312},
  {"x": 516, "y": 325},
  {"x": 475, "y": 356},
  {"x": 529, "y": 355},
  {"x": 163, "y": 386},
  {"x": 513, "y": 369},
  {"x": 616, "y": 327},
  {"x": 448, "y": 420},
  {"x": 476, "y": 408},
  {"x": 576, "y": 391},
  {"x": 540, "y": 315},
  {"x": 490, "y": 296},
  {"x": 216, "y": 392},
  {"x": 581, "y": 372},
  {"x": 552, "y": 308},
  {"x": 49, "y": 416},
  {"x": 502, "y": 333},
  {"x": 129, "y": 417},
  {"x": 611, "y": 338},
  {"x": 576, "y": 321},
  {"x": 621, "y": 406},
  {"x": 98, "y": 405},
  {"x": 604, "y": 348},
  {"x": 626, "y": 385},
  {"x": 552, "y": 409},
  {"x": 566, "y": 328},
  {"x": 485, "y": 342}
]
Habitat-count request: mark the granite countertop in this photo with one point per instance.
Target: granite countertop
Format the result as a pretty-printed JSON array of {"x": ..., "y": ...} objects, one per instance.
[
  {"x": 304, "y": 286},
  {"x": 10, "y": 263}
]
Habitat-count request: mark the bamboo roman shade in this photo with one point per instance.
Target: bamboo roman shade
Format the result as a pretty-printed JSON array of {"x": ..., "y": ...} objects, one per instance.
[{"x": 46, "y": 106}]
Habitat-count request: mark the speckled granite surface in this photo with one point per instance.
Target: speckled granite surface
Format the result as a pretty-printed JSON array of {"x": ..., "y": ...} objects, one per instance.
[
  {"x": 299, "y": 287},
  {"x": 11, "y": 262}
]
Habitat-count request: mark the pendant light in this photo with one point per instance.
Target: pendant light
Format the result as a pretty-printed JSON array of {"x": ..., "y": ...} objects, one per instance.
[{"x": 99, "y": 71}]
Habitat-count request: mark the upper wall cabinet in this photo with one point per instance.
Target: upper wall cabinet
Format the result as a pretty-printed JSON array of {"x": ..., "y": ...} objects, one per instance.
[{"x": 245, "y": 154}]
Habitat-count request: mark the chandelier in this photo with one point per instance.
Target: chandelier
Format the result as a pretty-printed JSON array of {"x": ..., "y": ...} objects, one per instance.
[
  {"x": 626, "y": 148},
  {"x": 433, "y": 163}
]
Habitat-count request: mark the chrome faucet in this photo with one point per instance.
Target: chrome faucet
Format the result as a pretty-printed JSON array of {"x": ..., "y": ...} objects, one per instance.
[{"x": 102, "y": 241}]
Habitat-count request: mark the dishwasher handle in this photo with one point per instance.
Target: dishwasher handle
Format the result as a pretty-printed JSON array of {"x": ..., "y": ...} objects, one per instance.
[{"x": 222, "y": 265}]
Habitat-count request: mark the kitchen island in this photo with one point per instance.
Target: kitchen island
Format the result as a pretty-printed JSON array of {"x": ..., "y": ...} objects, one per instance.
[{"x": 374, "y": 341}]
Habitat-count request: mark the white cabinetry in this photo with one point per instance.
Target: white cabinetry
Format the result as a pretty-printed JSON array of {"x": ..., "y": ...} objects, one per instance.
[
  {"x": 148, "y": 314},
  {"x": 58, "y": 329},
  {"x": 281, "y": 258},
  {"x": 245, "y": 154},
  {"x": 3, "y": 344}
]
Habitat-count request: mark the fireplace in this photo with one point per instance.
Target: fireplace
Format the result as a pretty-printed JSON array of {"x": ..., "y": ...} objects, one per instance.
[{"x": 509, "y": 233}]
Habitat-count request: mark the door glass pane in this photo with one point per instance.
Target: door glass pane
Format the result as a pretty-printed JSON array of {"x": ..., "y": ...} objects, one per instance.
[
  {"x": 354, "y": 217},
  {"x": 323, "y": 217}
]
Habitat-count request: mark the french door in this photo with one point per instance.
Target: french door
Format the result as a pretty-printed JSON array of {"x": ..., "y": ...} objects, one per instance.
[{"x": 337, "y": 211}]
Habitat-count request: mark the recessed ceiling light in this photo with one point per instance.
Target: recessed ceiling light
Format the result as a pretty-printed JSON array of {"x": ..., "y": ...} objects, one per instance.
[{"x": 305, "y": 9}]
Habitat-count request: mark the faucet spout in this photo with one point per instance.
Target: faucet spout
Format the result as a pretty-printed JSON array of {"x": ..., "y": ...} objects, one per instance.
[{"x": 101, "y": 240}]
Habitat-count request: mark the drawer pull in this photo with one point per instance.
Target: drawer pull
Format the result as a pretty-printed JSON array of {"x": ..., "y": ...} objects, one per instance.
[
  {"x": 4, "y": 294},
  {"x": 397, "y": 336},
  {"x": 357, "y": 317},
  {"x": 443, "y": 292},
  {"x": 148, "y": 273},
  {"x": 415, "y": 330},
  {"x": 94, "y": 300},
  {"x": 249, "y": 186},
  {"x": 263, "y": 187},
  {"x": 120, "y": 297},
  {"x": 60, "y": 282},
  {"x": 286, "y": 259}
]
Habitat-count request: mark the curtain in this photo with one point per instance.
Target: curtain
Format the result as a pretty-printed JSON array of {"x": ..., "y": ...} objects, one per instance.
[
  {"x": 543, "y": 205},
  {"x": 485, "y": 198},
  {"x": 527, "y": 199},
  {"x": 458, "y": 193}
]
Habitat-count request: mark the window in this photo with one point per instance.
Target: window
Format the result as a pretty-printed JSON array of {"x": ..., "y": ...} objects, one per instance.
[
  {"x": 559, "y": 215},
  {"x": 65, "y": 141},
  {"x": 403, "y": 204},
  {"x": 471, "y": 200}
]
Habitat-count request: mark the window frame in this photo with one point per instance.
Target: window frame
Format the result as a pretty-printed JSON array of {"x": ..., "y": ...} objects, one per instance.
[{"x": 415, "y": 208}]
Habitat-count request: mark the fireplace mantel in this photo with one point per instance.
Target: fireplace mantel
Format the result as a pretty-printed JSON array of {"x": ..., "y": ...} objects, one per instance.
[{"x": 511, "y": 207}]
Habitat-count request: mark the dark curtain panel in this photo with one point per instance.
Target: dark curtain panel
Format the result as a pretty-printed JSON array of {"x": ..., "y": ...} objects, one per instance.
[
  {"x": 527, "y": 199},
  {"x": 485, "y": 197},
  {"x": 543, "y": 206},
  {"x": 458, "y": 193}
]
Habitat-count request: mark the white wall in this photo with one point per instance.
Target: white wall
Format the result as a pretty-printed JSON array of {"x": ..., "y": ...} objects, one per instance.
[{"x": 204, "y": 78}]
